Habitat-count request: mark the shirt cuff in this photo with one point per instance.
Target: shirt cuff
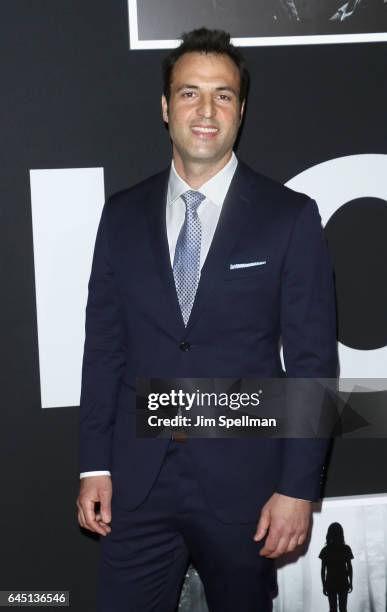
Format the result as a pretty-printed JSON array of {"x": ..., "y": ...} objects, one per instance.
[{"x": 95, "y": 473}]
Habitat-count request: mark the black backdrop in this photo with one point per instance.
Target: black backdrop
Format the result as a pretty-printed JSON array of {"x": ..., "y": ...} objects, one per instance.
[{"x": 73, "y": 95}]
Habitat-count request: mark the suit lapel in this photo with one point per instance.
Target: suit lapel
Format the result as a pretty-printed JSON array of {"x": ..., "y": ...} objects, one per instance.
[
  {"x": 156, "y": 220},
  {"x": 234, "y": 215}
]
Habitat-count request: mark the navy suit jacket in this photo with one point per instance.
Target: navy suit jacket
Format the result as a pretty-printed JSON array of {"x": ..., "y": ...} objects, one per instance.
[{"x": 134, "y": 328}]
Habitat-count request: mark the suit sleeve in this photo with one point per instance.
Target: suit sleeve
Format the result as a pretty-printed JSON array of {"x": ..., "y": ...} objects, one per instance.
[
  {"x": 103, "y": 358},
  {"x": 308, "y": 328}
]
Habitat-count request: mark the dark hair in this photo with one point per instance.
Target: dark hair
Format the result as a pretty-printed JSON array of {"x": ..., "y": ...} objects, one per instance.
[
  {"x": 335, "y": 534},
  {"x": 206, "y": 41}
]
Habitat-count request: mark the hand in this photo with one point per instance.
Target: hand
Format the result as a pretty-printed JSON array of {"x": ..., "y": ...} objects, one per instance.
[
  {"x": 95, "y": 489},
  {"x": 286, "y": 519}
]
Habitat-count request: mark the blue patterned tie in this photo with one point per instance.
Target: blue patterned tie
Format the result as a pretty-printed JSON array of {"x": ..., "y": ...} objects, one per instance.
[{"x": 186, "y": 262}]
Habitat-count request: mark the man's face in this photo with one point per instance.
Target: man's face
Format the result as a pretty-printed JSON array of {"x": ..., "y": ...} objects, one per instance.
[{"x": 204, "y": 112}]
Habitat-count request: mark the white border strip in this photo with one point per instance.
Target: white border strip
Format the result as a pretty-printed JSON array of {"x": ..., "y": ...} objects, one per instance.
[
  {"x": 266, "y": 41},
  {"x": 259, "y": 41},
  {"x": 133, "y": 24},
  {"x": 318, "y": 39},
  {"x": 372, "y": 499}
]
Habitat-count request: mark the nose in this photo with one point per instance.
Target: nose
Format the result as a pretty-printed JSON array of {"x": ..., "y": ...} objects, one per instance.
[{"x": 206, "y": 107}]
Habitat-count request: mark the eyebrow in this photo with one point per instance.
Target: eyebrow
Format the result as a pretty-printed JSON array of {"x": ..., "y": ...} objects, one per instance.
[{"x": 220, "y": 88}]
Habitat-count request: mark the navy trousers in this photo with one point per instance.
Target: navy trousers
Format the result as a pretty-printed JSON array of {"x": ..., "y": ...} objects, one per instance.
[{"x": 144, "y": 558}]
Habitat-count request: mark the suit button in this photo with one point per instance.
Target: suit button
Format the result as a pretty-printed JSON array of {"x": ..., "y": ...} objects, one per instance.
[{"x": 184, "y": 346}]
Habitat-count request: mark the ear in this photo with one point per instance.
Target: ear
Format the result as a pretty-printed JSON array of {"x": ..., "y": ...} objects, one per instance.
[{"x": 164, "y": 108}]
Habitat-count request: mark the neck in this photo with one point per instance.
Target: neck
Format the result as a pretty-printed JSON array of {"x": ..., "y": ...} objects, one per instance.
[{"x": 197, "y": 173}]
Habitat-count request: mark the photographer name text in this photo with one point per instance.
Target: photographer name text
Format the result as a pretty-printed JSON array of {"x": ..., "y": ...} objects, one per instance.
[{"x": 219, "y": 421}]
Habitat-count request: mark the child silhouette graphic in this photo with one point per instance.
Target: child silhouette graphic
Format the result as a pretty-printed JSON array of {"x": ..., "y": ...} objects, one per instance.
[{"x": 336, "y": 568}]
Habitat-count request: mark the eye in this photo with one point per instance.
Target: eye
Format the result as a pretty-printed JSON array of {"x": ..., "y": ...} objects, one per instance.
[
  {"x": 188, "y": 94},
  {"x": 224, "y": 97}
]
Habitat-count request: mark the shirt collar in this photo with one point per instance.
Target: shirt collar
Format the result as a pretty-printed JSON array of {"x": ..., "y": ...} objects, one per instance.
[{"x": 215, "y": 189}]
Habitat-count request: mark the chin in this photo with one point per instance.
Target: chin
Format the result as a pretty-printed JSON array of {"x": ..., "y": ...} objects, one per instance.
[{"x": 206, "y": 154}]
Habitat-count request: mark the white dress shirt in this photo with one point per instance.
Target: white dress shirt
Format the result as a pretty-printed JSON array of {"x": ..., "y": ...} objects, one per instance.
[{"x": 215, "y": 190}]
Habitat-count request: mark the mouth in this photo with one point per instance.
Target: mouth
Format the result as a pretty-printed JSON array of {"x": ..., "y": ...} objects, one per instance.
[{"x": 205, "y": 131}]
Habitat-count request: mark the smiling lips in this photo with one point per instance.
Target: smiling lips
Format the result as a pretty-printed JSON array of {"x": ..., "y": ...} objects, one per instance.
[{"x": 205, "y": 131}]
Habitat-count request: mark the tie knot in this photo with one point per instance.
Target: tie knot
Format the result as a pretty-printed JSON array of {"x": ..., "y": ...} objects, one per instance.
[{"x": 192, "y": 199}]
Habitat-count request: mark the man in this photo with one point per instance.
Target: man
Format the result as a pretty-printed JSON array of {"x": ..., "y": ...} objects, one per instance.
[{"x": 167, "y": 300}]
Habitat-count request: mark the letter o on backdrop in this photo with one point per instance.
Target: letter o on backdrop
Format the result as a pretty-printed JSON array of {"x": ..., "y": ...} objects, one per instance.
[{"x": 351, "y": 195}]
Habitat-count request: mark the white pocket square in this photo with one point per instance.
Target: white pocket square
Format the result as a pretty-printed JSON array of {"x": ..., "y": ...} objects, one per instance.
[{"x": 247, "y": 265}]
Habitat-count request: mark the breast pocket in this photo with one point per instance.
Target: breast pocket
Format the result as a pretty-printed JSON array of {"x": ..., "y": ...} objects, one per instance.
[{"x": 248, "y": 271}]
